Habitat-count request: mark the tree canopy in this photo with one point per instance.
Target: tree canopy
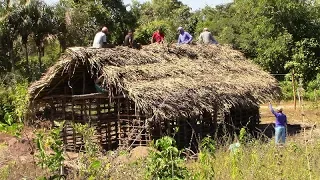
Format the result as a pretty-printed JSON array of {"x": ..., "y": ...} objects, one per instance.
[{"x": 280, "y": 36}]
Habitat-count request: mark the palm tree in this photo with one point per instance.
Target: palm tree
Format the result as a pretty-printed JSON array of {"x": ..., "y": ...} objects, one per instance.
[
  {"x": 42, "y": 18},
  {"x": 15, "y": 22},
  {"x": 25, "y": 31}
]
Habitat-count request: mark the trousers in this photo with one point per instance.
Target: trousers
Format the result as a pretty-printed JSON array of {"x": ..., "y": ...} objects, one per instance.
[{"x": 280, "y": 134}]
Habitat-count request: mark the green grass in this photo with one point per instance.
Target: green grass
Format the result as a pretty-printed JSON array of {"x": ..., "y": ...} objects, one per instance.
[{"x": 265, "y": 161}]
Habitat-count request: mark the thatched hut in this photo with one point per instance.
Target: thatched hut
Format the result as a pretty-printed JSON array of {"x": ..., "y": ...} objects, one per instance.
[{"x": 148, "y": 93}]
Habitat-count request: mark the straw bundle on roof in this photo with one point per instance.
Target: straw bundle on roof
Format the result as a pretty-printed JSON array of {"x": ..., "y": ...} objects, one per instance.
[{"x": 170, "y": 81}]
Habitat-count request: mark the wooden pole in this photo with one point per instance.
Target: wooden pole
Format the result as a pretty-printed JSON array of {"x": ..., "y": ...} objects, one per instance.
[
  {"x": 294, "y": 91},
  {"x": 84, "y": 83},
  {"x": 302, "y": 109}
]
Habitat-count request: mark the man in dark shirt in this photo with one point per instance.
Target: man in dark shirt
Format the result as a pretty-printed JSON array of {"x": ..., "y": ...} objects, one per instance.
[{"x": 128, "y": 40}]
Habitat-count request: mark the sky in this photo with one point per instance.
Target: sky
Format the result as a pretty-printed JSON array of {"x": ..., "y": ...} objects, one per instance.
[{"x": 194, "y": 4}]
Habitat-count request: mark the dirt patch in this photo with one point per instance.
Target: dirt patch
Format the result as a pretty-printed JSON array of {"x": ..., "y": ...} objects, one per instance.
[
  {"x": 140, "y": 152},
  {"x": 302, "y": 121}
]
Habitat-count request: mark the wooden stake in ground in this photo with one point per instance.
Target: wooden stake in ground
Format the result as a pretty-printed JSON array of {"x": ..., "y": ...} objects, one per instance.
[{"x": 294, "y": 91}]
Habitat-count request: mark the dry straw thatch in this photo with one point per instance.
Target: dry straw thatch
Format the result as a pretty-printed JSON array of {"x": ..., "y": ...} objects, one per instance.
[{"x": 170, "y": 81}]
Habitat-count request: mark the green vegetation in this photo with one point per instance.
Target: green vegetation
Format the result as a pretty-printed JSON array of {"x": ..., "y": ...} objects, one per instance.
[
  {"x": 166, "y": 163},
  {"x": 282, "y": 36},
  {"x": 253, "y": 160}
]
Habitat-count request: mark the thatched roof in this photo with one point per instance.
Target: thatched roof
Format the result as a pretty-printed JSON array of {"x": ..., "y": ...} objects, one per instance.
[{"x": 171, "y": 80}]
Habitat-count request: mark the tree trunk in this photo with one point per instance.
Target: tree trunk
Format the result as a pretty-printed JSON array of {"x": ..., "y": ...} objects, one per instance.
[
  {"x": 11, "y": 57},
  {"x": 27, "y": 58},
  {"x": 39, "y": 59}
]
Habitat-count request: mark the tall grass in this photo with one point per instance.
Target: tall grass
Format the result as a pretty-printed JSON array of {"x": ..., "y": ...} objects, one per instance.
[{"x": 257, "y": 160}]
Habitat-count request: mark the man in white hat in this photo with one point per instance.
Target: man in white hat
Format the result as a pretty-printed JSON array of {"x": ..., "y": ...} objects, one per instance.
[
  {"x": 184, "y": 37},
  {"x": 281, "y": 124},
  {"x": 206, "y": 37},
  {"x": 100, "y": 39}
]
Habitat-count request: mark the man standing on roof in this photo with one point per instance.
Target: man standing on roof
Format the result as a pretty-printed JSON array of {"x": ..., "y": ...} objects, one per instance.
[
  {"x": 184, "y": 37},
  {"x": 100, "y": 39},
  {"x": 128, "y": 40},
  {"x": 206, "y": 37},
  {"x": 281, "y": 124},
  {"x": 158, "y": 36}
]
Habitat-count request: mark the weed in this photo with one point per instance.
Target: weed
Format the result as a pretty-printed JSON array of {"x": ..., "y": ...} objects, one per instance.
[
  {"x": 166, "y": 163},
  {"x": 205, "y": 161},
  {"x": 53, "y": 161},
  {"x": 91, "y": 166}
]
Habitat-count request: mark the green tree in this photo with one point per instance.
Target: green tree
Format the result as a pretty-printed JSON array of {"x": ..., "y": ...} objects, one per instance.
[
  {"x": 43, "y": 25},
  {"x": 267, "y": 31},
  {"x": 168, "y": 15}
]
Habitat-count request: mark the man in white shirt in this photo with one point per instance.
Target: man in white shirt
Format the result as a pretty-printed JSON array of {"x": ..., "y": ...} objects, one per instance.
[
  {"x": 206, "y": 37},
  {"x": 100, "y": 40}
]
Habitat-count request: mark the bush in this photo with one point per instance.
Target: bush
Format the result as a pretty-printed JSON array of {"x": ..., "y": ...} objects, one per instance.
[
  {"x": 313, "y": 89},
  {"x": 13, "y": 103},
  {"x": 144, "y": 33},
  {"x": 287, "y": 90},
  {"x": 166, "y": 163}
]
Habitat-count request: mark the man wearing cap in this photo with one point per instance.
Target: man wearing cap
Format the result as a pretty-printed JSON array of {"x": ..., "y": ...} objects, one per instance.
[
  {"x": 100, "y": 39},
  {"x": 206, "y": 37},
  {"x": 184, "y": 37},
  {"x": 281, "y": 124}
]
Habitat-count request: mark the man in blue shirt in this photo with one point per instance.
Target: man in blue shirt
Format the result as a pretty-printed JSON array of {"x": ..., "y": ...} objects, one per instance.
[
  {"x": 184, "y": 37},
  {"x": 281, "y": 124}
]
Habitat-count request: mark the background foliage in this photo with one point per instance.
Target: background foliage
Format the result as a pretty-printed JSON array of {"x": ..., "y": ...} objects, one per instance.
[{"x": 281, "y": 36}]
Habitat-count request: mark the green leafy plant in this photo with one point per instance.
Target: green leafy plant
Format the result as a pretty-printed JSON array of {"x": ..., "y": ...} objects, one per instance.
[
  {"x": 50, "y": 151},
  {"x": 91, "y": 164},
  {"x": 243, "y": 136},
  {"x": 166, "y": 163},
  {"x": 13, "y": 105},
  {"x": 205, "y": 159}
]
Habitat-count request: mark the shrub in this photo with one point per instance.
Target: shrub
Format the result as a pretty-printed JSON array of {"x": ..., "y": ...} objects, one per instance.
[
  {"x": 166, "y": 163},
  {"x": 91, "y": 164},
  {"x": 13, "y": 103},
  {"x": 287, "y": 90},
  {"x": 50, "y": 156}
]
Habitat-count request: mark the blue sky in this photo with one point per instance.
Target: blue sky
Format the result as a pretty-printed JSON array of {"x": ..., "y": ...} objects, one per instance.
[{"x": 194, "y": 4}]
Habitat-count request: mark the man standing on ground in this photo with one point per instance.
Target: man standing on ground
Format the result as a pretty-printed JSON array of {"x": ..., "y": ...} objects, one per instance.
[
  {"x": 158, "y": 36},
  {"x": 206, "y": 37},
  {"x": 100, "y": 39},
  {"x": 184, "y": 37},
  {"x": 281, "y": 124}
]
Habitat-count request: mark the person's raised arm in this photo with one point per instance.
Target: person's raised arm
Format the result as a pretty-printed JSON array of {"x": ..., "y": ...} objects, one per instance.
[{"x": 271, "y": 109}]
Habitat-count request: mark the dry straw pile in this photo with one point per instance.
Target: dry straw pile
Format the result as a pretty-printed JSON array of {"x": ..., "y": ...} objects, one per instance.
[{"x": 170, "y": 81}]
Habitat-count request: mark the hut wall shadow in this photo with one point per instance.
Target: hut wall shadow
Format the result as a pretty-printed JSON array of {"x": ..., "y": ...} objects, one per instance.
[{"x": 264, "y": 131}]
